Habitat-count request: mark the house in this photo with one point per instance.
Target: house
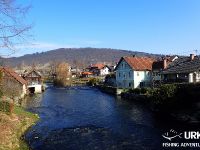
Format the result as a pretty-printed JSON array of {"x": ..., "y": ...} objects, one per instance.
[
  {"x": 99, "y": 69},
  {"x": 134, "y": 72},
  {"x": 183, "y": 69},
  {"x": 75, "y": 72},
  {"x": 160, "y": 65},
  {"x": 86, "y": 74},
  {"x": 13, "y": 82},
  {"x": 34, "y": 79}
]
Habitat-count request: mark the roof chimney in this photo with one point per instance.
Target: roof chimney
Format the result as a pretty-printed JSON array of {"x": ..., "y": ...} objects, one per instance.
[
  {"x": 165, "y": 63},
  {"x": 191, "y": 56}
]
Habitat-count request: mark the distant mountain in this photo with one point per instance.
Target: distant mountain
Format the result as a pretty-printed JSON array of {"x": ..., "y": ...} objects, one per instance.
[{"x": 71, "y": 55}]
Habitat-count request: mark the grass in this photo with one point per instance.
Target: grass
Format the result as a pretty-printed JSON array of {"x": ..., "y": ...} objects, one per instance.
[{"x": 13, "y": 126}]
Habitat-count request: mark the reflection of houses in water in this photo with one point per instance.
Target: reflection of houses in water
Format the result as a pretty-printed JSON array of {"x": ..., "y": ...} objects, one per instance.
[{"x": 34, "y": 79}]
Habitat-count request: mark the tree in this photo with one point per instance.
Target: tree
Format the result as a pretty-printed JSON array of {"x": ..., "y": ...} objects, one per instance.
[
  {"x": 13, "y": 30},
  {"x": 63, "y": 75}
]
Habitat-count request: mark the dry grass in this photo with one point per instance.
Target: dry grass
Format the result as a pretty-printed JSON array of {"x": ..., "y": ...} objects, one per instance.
[{"x": 12, "y": 127}]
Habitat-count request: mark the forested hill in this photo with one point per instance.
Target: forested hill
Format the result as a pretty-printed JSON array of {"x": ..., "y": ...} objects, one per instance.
[{"x": 82, "y": 55}]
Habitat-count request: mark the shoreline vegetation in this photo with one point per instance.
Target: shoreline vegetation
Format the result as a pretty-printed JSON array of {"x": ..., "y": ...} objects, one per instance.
[
  {"x": 13, "y": 126},
  {"x": 178, "y": 101}
]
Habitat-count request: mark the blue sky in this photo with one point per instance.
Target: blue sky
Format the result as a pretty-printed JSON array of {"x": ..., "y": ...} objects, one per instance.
[{"x": 154, "y": 26}]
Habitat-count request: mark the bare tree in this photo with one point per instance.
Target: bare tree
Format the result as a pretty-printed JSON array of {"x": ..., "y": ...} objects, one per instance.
[
  {"x": 13, "y": 30},
  {"x": 63, "y": 74}
]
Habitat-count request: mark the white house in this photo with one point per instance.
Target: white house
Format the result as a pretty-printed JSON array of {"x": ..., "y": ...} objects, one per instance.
[
  {"x": 99, "y": 69},
  {"x": 34, "y": 79},
  {"x": 134, "y": 72}
]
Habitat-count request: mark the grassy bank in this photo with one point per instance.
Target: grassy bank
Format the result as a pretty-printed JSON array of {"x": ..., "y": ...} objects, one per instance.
[{"x": 13, "y": 127}]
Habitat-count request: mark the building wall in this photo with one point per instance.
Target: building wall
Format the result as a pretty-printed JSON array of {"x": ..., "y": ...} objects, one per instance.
[
  {"x": 156, "y": 76},
  {"x": 142, "y": 76},
  {"x": 126, "y": 77},
  {"x": 37, "y": 88},
  {"x": 104, "y": 71},
  {"x": 24, "y": 91}
]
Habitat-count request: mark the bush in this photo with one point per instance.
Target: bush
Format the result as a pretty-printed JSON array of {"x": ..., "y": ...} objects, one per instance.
[
  {"x": 137, "y": 91},
  {"x": 4, "y": 106},
  {"x": 164, "y": 94},
  {"x": 93, "y": 81}
]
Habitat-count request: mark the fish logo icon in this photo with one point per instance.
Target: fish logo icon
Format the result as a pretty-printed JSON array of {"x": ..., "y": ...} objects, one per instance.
[{"x": 171, "y": 135}]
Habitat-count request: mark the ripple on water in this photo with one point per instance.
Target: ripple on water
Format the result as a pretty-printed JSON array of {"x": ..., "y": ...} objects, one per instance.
[{"x": 88, "y": 138}]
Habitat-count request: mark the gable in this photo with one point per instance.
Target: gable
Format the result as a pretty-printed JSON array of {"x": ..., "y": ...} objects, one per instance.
[
  {"x": 12, "y": 74},
  {"x": 33, "y": 73},
  {"x": 122, "y": 64}
]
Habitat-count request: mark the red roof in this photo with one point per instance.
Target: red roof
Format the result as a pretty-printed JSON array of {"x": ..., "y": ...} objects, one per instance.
[
  {"x": 86, "y": 73},
  {"x": 139, "y": 63},
  {"x": 99, "y": 66},
  {"x": 12, "y": 73}
]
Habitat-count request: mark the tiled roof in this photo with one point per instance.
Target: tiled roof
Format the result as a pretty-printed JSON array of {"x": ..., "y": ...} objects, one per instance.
[
  {"x": 99, "y": 66},
  {"x": 183, "y": 65},
  {"x": 86, "y": 73},
  {"x": 26, "y": 73},
  {"x": 12, "y": 73},
  {"x": 139, "y": 63}
]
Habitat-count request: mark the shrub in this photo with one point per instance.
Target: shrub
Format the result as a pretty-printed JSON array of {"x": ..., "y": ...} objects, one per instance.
[
  {"x": 137, "y": 91},
  {"x": 163, "y": 94},
  {"x": 93, "y": 81},
  {"x": 145, "y": 90}
]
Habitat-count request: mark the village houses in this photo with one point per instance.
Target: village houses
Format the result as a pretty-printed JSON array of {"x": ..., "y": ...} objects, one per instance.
[
  {"x": 11, "y": 80},
  {"x": 134, "y": 72},
  {"x": 99, "y": 69},
  {"x": 34, "y": 79},
  {"x": 183, "y": 69},
  {"x": 159, "y": 66}
]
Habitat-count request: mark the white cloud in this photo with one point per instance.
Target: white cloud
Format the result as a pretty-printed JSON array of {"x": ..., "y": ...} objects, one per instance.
[
  {"x": 30, "y": 48},
  {"x": 43, "y": 45}
]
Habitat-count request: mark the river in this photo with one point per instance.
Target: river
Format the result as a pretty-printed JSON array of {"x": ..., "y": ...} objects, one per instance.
[{"x": 85, "y": 118}]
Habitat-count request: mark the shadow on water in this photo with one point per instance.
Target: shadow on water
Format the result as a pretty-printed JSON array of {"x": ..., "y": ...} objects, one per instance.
[{"x": 85, "y": 118}]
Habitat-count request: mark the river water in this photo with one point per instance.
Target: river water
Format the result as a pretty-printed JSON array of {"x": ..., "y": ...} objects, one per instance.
[{"x": 85, "y": 118}]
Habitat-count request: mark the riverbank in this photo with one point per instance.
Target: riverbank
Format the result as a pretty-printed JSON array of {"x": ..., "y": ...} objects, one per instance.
[
  {"x": 165, "y": 100},
  {"x": 13, "y": 127}
]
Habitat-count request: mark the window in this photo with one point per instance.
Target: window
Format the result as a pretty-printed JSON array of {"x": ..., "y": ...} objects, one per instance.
[
  {"x": 142, "y": 84},
  {"x": 129, "y": 84},
  {"x": 138, "y": 73},
  {"x": 124, "y": 75},
  {"x": 119, "y": 74},
  {"x": 129, "y": 74}
]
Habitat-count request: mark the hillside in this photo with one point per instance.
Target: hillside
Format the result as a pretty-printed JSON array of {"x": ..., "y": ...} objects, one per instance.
[{"x": 82, "y": 55}]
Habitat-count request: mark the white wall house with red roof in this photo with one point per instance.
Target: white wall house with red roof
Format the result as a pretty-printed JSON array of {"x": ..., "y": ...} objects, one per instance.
[
  {"x": 134, "y": 72},
  {"x": 100, "y": 69}
]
